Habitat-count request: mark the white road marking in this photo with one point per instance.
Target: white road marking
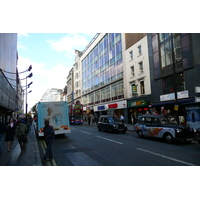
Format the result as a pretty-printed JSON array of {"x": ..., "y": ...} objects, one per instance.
[
  {"x": 86, "y": 132},
  {"x": 169, "y": 158},
  {"x": 109, "y": 140},
  {"x": 81, "y": 159}
]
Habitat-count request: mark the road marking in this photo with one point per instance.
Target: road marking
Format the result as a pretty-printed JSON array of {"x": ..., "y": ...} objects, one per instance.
[
  {"x": 169, "y": 158},
  {"x": 109, "y": 140},
  {"x": 86, "y": 132},
  {"x": 81, "y": 159}
]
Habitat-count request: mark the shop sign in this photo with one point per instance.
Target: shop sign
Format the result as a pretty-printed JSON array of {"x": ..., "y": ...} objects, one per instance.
[
  {"x": 197, "y": 89},
  {"x": 101, "y": 107},
  {"x": 137, "y": 102},
  {"x": 114, "y": 105},
  {"x": 171, "y": 96}
]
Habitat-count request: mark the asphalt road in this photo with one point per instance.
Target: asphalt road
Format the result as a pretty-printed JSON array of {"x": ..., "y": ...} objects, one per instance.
[{"x": 86, "y": 146}]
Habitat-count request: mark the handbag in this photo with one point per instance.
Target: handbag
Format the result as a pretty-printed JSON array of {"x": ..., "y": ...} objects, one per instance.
[{"x": 23, "y": 138}]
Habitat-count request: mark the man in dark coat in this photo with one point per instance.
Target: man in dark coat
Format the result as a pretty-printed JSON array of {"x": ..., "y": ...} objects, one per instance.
[{"x": 49, "y": 135}]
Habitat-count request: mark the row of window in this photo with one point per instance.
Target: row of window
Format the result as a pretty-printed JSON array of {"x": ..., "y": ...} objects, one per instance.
[
  {"x": 108, "y": 93},
  {"x": 139, "y": 52},
  {"x": 140, "y": 64},
  {"x": 102, "y": 65}
]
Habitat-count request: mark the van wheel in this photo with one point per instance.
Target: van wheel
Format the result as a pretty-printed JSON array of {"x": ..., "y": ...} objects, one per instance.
[
  {"x": 140, "y": 134},
  {"x": 168, "y": 138}
]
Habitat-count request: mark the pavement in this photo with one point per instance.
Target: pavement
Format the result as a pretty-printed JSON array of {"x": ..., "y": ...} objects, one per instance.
[{"x": 17, "y": 157}]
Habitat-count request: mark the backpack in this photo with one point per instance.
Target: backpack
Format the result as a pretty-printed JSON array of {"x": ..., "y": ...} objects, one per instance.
[{"x": 21, "y": 129}]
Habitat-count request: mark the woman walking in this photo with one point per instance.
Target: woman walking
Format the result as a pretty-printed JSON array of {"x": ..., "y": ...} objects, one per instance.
[{"x": 10, "y": 133}]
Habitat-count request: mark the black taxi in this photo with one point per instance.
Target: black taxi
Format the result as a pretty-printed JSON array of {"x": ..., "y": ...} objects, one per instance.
[{"x": 111, "y": 124}]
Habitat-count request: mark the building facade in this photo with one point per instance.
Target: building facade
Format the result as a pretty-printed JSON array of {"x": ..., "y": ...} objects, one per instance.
[
  {"x": 70, "y": 87},
  {"x": 137, "y": 78},
  {"x": 77, "y": 76},
  {"x": 174, "y": 74},
  {"x": 52, "y": 94},
  {"x": 8, "y": 81},
  {"x": 102, "y": 75},
  {"x": 100, "y": 79}
]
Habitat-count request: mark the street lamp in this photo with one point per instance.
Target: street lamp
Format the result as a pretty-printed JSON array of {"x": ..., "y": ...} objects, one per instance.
[{"x": 29, "y": 76}]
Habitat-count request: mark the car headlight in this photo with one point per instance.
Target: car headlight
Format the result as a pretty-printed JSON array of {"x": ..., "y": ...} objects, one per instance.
[
  {"x": 194, "y": 130},
  {"x": 178, "y": 130},
  {"x": 114, "y": 126}
]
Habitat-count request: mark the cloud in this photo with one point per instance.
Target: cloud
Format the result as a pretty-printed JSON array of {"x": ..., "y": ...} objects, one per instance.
[
  {"x": 43, "y": 78},
  {"x": 22, "y": 34},
  {"x": 21, "y": 47},
  {"x": 69, "y": 43}
]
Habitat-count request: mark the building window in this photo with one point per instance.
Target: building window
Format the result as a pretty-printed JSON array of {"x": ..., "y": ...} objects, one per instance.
[
  {"x": 131, "y": 54},
  {"x": 76, "y": 84},
  {"x": 168, "y": 85},
  {"x": 134, "y": 89},
  {"x": 142, "y": 88},
  {"x": 141, "y": 67},
  {"x": 132, "y": 71},
  {"x": 140, "y": 50}
]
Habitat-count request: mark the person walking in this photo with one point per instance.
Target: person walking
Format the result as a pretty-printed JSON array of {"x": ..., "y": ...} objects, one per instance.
[
  {"x": 122, "y": 118},
  {"x": 49, "y": 135},
  {"x": 10, "y": 133},
  {"x": 21, "y": 134},
  {"x": 2, "y": 131}
]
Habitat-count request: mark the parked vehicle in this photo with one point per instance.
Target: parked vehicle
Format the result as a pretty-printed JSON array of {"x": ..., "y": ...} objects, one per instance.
[
  {"x": 58, "y": 115},
  {"x": 163, "y": 127},
  {"x": 111, "y": 124}
]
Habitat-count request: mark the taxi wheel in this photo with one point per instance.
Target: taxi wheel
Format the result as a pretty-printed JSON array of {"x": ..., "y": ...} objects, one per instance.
[
  {"x": 140, "y": 134},
  {"x": 168, "y": 138}
]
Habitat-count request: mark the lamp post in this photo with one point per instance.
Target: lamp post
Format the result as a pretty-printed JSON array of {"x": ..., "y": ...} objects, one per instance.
[{"x": 29, "y": 76}]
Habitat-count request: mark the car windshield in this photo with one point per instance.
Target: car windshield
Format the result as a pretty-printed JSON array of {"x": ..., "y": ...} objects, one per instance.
[
  {"x": 168, "y": 120},
  {"x": 114, "y": 119}
]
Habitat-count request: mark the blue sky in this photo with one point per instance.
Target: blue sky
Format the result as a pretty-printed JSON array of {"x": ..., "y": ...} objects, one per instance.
[{"x": 51, "y": 56}]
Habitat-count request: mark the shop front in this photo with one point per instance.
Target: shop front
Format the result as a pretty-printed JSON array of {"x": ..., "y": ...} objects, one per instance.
[
  {"x": 168, "y": 105},
  {"x": 137, "y": 106},
  {"x": 113, "y": 109}
]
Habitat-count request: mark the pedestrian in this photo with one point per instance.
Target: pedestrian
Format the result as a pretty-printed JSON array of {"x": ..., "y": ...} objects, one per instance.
[
  {"x": 122, "y": 118},
  {"x": 21, "y": 134},
  {"x": 10, "y": 133},
  {"x": 49, "y": 135},
  {"x": 2, "y": 131}
]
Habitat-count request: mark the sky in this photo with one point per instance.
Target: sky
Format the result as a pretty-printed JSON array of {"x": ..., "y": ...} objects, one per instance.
[{"x": 52, "y": 56}]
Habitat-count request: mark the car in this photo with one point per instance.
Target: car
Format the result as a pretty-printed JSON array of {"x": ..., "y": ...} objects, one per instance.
[
  {"x": 164, "y": 127},
  {"x": 111, "y": 124}
]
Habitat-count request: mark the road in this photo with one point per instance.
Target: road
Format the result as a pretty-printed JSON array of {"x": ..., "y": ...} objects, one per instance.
[{"x": 86, "y": 146}]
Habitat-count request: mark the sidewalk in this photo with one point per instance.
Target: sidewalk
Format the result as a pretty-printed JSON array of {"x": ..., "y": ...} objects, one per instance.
[{"x": 16, "y": 157}]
